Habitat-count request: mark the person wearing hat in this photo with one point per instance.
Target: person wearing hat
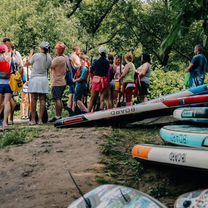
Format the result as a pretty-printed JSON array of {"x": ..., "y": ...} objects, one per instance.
[
  {"x": 100, "y": 82},
  {"x": 38, "y": 85},
  {"x": 5, "y": 90},
  {"x": 59, "y": 68}
]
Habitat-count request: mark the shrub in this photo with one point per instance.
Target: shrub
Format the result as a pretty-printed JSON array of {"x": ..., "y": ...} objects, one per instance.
[{"x": 166, "y": 82}]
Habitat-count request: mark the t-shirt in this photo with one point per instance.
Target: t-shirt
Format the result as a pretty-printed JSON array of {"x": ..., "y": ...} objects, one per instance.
[
  {"x": 40, "y": 64},
  {"x": 58, "y": 70},
  {"x": 198, "y": 73},
  {"x": 100, "y": 67},
  {"x": 83, "y": 77}
]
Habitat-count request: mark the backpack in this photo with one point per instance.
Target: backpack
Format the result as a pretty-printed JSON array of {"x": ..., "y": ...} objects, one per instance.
[{"x": 16, "y": 83}]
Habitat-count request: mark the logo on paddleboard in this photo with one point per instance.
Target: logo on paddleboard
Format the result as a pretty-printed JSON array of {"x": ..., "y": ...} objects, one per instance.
[
  {"x": 177, "y": 157},
  {"x": 123, "y": 111},
  {"x": 179, "y": 139}
]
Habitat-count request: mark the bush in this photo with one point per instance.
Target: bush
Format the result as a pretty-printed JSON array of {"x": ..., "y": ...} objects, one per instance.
[{"x": 166, "y": 82}]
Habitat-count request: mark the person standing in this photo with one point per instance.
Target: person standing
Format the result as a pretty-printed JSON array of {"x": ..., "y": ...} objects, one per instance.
[
  {"x": 81, "y": 85},
  {"x": 74, "y": 65},
  {"x": 144, "y": 72},
  {"x": 197, "y": 67},
  {"x": 59, "y": 68},
  {"x": 128, "y": 78},
  {"x": 38, "y": 85},
  {"x": 5, "y": 90},
  {"x": 118, "y": 71},
  {"x": 100, "y": 81}
]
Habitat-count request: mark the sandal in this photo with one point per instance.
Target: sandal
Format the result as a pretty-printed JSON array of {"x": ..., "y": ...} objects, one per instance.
[
  {"x": 32, "y": 123},
  {"x": 5, "y": 126}
]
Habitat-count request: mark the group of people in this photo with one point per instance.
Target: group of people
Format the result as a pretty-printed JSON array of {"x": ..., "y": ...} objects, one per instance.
[{"x": 106, "y": 80}]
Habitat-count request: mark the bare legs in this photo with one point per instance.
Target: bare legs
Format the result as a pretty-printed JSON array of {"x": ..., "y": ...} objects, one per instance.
[
  {"x": 5, "y": 103},
  {"x": 13, "y": 104},
  {"x": 42, "y": 100},
  {"x": 93, "y": 99},
  {"x": 58, "y": 107}
]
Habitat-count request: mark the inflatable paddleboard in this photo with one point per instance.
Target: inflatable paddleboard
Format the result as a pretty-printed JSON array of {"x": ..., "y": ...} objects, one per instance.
[
  {"x": 129, "y": 114},
  {"x": 170, "y": 155},
  {"x": 113, "y": 196},
  {"x": 194, "y": 199},
  {"x": 185, "y": 135},
  {"x": 195, "y": 114},
  {"x": 203, "y": 89}
]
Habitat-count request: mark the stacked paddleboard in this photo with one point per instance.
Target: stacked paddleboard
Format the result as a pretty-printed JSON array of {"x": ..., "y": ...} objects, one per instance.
[
  {"x": 158, "y": 107},
  {"x": 185, "y": 135},
  {"x": 192, "y": 141},
  {"x": 192, "y": 114},
  {"x": 170, "y": 155},
  {"x": 113, "y": 196}
]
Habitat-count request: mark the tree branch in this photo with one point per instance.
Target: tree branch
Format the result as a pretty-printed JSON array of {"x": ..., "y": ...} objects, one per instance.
[
  {"x": 76, "y": 6},
  {"x": 103, "y": 17},
  {"x": 107, "y": 41}
]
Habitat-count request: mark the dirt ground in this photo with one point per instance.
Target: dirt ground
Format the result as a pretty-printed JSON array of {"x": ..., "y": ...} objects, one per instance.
[{"x": 35, "y": 174}]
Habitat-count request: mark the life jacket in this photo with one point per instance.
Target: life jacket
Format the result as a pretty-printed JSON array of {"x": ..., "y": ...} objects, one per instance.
[
  {"x": 5, "y": 68},
  {"x": 78, "y": 73}
]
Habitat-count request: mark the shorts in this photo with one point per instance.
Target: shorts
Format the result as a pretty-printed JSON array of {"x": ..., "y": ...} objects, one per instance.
[
  {"x": 5, "y": 88},
  {"x": 128, "y": 92},
  {"x": 80, "y": 92},
  {"x": 112, "y": 85},
  {"x": 71, "y": 89},
  {"x": 99, "y": 83},
  {"x": 117, "y": 86},
  {"x": 143, "y": 88},
  {"x": 57, "y": 92}
]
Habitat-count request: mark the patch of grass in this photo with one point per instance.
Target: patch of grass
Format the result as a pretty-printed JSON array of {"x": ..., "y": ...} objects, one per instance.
[
  {"x": 120, "y": 166},
  {"x": 101, "y": 180},
  {"x": 18, "y": 135}
]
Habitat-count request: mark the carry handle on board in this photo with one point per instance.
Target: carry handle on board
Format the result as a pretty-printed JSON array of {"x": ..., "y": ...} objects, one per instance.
[{"x": 205, "y": 142}]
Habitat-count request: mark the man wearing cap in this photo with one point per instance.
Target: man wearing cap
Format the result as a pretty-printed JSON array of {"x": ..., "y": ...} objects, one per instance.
[
  {"x": 100, "y": 82},
  {"x": 59, "y": 68}
]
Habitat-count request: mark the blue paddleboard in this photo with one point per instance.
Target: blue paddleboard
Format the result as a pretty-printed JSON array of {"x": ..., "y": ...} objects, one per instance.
[{"x": 185, "y": 135}]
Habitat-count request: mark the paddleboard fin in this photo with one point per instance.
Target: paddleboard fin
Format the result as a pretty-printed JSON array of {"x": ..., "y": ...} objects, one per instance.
[
  {"x": 86, "y": 200},
  {"x": 126, "y": 197}
]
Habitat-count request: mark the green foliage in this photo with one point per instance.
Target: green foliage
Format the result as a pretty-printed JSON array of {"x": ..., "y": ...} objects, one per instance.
[
  {"x": 167, "y": 30},
  {"x": 18, "y": 136},
  {"x": 166, "y": 82}
]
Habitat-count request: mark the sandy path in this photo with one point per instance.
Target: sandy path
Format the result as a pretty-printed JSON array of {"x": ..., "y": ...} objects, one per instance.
[{"x": 34, "y": 174}]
